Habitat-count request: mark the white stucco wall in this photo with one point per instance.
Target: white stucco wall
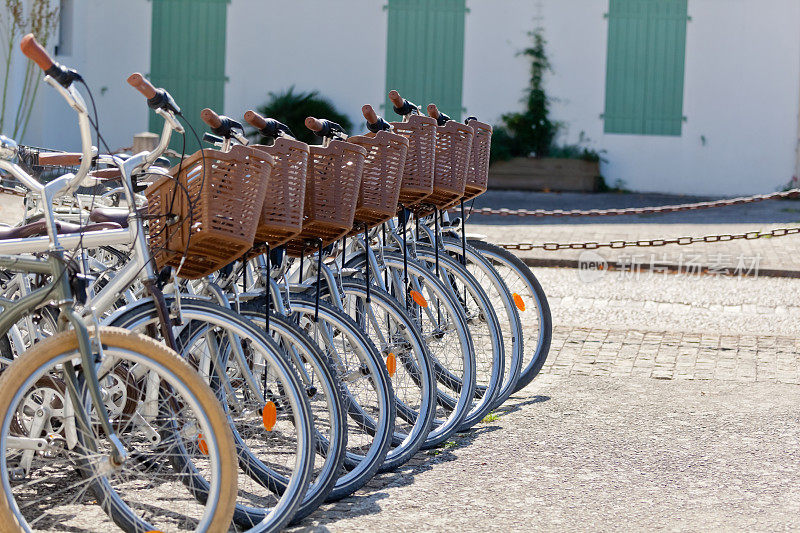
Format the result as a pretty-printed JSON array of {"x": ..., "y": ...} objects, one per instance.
[
  {"x": 336, "y": 47},
  {"x": 741, "y": 90},
  {"x": 111, "y": 40}
]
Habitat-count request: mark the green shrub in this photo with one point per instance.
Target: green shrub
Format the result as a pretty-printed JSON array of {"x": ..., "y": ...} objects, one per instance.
[{"x": 292, "y": 108}]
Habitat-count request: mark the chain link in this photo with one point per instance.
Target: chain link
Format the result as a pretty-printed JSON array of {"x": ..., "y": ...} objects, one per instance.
[
  {"x": 791, "y": 193},
  {"x": 646, "y": 243}
]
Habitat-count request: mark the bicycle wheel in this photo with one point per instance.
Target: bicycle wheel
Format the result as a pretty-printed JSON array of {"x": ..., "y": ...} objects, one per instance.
[
  {"x": 327, "y": 405},
  {"x": 504, "y": 306},
  {"x": 367, "y": 390},
  {"x": 180, "y": 472},
  {"x": 534, "y": 311},
  {"x": 484, "y": 328},
  {"x": 407, "y": 361},
  {"x": 441, "y": 320},
  {"x": 248, "y": 373}
]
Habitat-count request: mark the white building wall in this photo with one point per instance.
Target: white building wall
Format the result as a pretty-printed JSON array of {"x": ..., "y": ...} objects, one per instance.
[
  {"x": 741, "y": 90},
  {"x": 111, "y": 40},
  {"x": 336, "y": 47}
]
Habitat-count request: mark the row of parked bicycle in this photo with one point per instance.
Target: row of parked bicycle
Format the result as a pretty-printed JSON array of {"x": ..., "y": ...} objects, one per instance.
[{"x": 230, "y": 340}]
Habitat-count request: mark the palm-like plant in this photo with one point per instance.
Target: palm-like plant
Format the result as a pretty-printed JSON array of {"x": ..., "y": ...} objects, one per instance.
[{"x": 292, "y": 108}]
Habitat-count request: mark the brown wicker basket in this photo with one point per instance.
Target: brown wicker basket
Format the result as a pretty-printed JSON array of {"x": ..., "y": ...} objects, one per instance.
[
  {"x": 282, "y": 212},
  {"x": 478, "y": 170},
  {"x": 217, "y": 210},
  {"x": 418, "y": 170},
  {"x": 332, "y": 185},
  {"x": 381, "y": 179},
  {"x": 453, "y": 148}
]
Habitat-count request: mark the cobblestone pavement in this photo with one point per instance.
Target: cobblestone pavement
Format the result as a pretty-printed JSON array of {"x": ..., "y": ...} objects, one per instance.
[
  {"x": 667, "y": 403},
  {"x": 775, "y": 254}
]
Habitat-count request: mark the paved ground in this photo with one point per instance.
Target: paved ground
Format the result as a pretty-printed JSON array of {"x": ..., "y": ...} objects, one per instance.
[{"x": 774, "y": 255}]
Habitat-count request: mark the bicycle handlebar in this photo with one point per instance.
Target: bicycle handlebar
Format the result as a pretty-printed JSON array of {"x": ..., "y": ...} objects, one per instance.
[
  {"x": 138, "y": 82},
  {"x": 441, "y": 118},
  {"x": 401, "y": 105},
  {"x": 375, "y": 123},
  {"x": 268, "y": 127},
  {"x": 222, "y": 125},
  {"x": 36, "y": 52},
  {"x": 211, "y": 118},
  {"x": 325, "y": 128}
]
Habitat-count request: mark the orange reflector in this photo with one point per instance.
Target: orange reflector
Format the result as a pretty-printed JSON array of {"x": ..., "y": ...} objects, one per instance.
[
  {"x": 201, "y": 443},
  {"x": 418, "y": 298},
  {"x": 269, "y": 415},
  {"x": 391, "y": 363},
  {"x": 518, "y": 301}
]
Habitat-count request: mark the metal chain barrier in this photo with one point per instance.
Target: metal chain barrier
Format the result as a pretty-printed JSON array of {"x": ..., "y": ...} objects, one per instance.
[
  {"x": 682, "y": 241},
  {"x": 791, "y": 193}
]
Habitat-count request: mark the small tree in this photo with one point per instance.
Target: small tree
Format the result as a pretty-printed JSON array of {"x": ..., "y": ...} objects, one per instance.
[
  {"x": 531, "y": 132},
  {"x": 292, "y": 109},
  {"x": 40, "y": 20}
]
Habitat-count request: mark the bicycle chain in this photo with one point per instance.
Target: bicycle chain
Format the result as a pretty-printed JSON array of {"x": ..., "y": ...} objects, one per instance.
[
  {"x": 681, "y": 241},
  {"x": 791, "y": 193}
]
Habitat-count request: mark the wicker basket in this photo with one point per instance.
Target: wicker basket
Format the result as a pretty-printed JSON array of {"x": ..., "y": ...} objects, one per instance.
[
  {"x": 418, "y": 170},
  {"x": 334, "y": 178},
  {"x": 282, "y": 212},
  {"x": 217, "y": 210},
  {"x": 453, "y": 148},
  {"x": 381, "y": 179},
  {"x": 478, "y": 170}
]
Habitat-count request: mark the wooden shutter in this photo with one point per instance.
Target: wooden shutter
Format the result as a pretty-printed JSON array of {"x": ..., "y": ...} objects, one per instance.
[
  {"x": 425, "y": 53},
  {"x": 645, "y": 66},
  {"x": 187, "y": 58}
]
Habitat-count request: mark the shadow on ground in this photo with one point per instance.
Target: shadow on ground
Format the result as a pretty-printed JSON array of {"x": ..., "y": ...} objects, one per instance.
[{"x": 367, "y": 500}]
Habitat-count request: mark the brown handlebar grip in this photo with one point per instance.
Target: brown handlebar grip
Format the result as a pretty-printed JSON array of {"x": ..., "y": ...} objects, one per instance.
[
  {"x": 255, "y": 120},
  {"x": 60, "y": 159},
  {"x": 138, "y": 82},
  {"x": 210, "y": 118},
  {"x": 106, "y": 174},
  {"x": 395, "y": 98},
  {"x": 313, "y": 124},
  {"x": 35, "y": 51},
  {"x": 369, "y": 114},
  {"x": 433, "y": 111}
]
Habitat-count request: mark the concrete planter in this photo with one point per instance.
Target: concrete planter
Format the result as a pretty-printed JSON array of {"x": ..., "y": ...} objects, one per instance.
[{"x": 530, "y": 174}]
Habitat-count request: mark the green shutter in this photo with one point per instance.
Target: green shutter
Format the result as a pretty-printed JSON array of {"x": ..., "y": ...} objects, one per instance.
[
  {"x": 187, "y": 58},
  {"x": 425, "y": 53},
  {"x": 645, "y": 67}
]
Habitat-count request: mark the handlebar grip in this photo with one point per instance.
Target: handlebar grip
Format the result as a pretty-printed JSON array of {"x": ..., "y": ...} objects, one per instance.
[
  {"x": 138, "y": 82},
  {"x": 314, "y": 124},
  {"x": 35, "y": 51},
  {"x": 60, "y": 159},
  {"x": 255, "y": 120},
  {"x": 433, "y": 111},
  {"x": 396, "y": 99},
  {"x": 369, "y": 114},
  {"x": 210, "y": 118}
]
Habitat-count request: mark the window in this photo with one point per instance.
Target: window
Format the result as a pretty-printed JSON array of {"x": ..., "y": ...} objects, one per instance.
[
  {"x": 187, "y": 58},
  {"x": 645, "y": 67},
  {"x": 425, "y": 53}
]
